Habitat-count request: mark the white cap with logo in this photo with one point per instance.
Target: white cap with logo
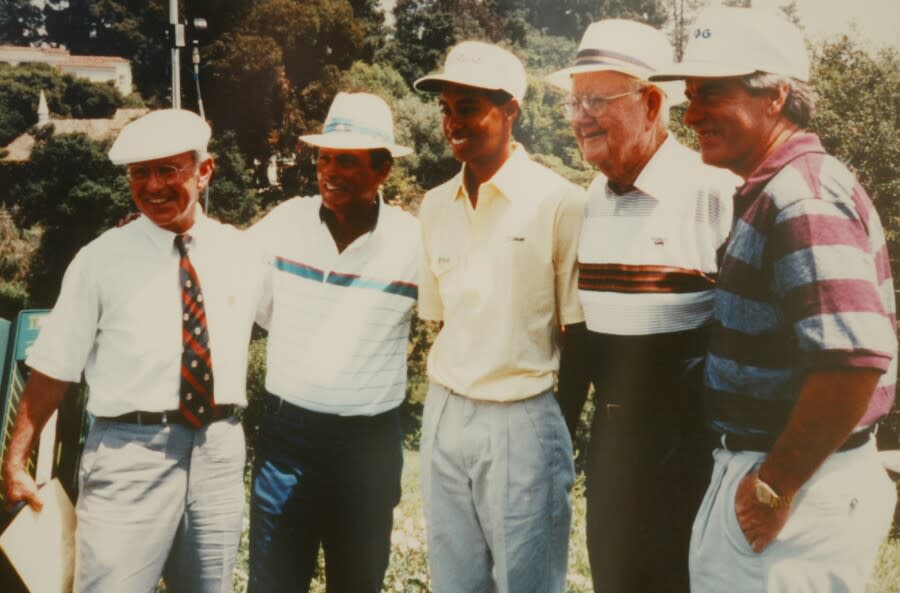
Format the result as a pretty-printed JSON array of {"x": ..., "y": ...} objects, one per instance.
[
  {"x": 358, "y": 121},
  {"x": 479, "y": 65},
  {"x": 159, "y": 134},
  {"x": 728, "y": 41}
]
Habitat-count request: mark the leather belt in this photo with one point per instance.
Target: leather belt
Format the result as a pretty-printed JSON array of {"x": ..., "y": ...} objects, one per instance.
[
  {"x": 763, "y": 442},
  {"x": 171, "y": 416}
]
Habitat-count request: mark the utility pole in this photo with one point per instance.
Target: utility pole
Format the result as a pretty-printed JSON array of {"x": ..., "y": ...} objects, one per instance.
[{"x": 177, "y": 33}]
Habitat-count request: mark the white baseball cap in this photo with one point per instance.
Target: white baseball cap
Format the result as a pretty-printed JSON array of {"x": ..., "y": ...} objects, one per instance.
[
  {"x": 728, "y": 41},
  {"x": 358, "y": 121},
  {"x": 479, "y": 65},
  {"x": 160, "y": 134}
]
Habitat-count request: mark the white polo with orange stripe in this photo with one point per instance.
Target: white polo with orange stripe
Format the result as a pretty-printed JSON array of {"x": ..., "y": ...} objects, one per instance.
[{"x": 647, "y": 258}]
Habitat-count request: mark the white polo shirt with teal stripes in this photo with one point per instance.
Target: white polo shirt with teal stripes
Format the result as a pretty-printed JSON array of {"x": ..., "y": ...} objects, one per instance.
[{"x": 339, "y": 327}]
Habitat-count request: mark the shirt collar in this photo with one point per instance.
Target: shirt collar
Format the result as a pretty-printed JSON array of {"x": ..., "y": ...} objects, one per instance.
[
  {"x": 797, "y": 146},
  {"x": 164, "y": 239},
  {"x": 656, "y": 178},
  {"x": 509, "y": 180},
  {"x": 323, "y": 212}
]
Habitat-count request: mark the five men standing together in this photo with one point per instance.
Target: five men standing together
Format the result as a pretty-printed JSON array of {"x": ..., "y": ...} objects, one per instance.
[{"x": 793, "y": 303}]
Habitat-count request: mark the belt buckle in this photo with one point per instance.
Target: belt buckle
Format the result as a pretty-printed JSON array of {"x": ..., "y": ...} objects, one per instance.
[{"x": 164, "y": 418}]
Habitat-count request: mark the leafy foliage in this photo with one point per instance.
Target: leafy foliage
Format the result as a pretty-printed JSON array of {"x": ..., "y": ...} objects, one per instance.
[
  {"x": 74, "y": 192},
  {"x": 233, "y": 199},
  {"x": 67, "y": 96},
  {"x": 20, "y": 22}
]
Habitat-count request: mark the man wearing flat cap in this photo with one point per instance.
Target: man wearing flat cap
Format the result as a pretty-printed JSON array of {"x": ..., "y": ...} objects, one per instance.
[
  {"x": 157, "y": 315},
  {"x": 647, "y": 264},
  {"x": 802, "y": 359},
  {"x": 500, "y": 242},
  {"x": 343, "y": 267}
]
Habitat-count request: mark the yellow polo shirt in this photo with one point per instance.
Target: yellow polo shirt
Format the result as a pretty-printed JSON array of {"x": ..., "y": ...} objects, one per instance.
[{"x": 502, "y": 277}]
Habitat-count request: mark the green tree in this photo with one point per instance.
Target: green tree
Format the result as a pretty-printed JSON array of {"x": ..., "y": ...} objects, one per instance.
[
  {"x": 569, "y": 18},
  {"x": 73, "y": 191},
  {"x": 232, "y": 198},
  {"x": 425, "y": 29},
  {"x": 20, "y": 22},
  {"x": 67, "y": 96},
  {"x": 273, "y": 77}
]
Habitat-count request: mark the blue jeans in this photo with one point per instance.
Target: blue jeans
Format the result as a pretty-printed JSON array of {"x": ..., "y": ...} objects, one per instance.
[{"x": 323, "y": 479}]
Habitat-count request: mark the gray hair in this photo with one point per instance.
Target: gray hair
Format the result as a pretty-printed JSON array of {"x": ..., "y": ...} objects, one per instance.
[{"x": 800, "y": 105}]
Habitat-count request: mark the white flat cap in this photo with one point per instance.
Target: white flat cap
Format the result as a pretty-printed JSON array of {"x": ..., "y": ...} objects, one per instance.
[
  {"x": 159, "y": 134},
  {"x": 358, "y": 121},
  {"x": 727, "y": 41},
  {"x": 479, "y": 65}
]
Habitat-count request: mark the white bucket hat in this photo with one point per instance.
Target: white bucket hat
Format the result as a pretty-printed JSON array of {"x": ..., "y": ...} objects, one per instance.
[
  {"x": 479, "y": 65},
  {"x": 358, "y": 121},
  {"x": 729, "y": 41},
  {"x": 160, "y": 134},
  {"x": 625, "y": 46}
]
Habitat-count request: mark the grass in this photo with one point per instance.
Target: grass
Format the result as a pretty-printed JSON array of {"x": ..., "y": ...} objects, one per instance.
[{"x": 408, "y": 570}]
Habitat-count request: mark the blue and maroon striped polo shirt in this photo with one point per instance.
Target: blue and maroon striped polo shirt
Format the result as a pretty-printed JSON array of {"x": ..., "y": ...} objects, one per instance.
[{"x": 804, "y": 284}]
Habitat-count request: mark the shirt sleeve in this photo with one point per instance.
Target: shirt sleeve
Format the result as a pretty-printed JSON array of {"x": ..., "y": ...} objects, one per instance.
[
  {"x": 430, "y": 305},
  {"x": 824, "y": 272},
  {"x": 68, "y": 334},
  {"x": 566, "y": 236}
]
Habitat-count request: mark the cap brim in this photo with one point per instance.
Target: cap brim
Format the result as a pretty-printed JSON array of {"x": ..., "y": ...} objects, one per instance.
[
  {"x": 352, "y": 141},
  {"x": 435, "y": 83},
  {"x": 700, "y": 70},
  {"x": 562, "y": 79},
  {"x": 120, "y": 154}
]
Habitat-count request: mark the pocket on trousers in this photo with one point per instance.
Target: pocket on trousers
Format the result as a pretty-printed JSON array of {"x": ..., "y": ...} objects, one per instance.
[
  {"x": 93, "y": 447},
  {"x": 732, "y": 529}
]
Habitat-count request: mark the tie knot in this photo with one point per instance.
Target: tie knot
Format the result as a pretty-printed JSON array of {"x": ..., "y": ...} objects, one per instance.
[{"x": 181, "y": 243}]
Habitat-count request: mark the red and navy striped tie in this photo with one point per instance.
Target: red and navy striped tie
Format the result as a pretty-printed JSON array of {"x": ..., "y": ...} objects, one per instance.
[{"x": 196, "y": 393}]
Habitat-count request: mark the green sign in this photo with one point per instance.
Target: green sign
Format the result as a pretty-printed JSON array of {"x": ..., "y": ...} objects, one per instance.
[
  {"x": 28, "y": 325},
  {"x": 25, "y": 332}
]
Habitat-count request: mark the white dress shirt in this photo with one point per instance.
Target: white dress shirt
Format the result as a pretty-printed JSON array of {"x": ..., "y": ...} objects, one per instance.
[{"x": 118, "y": 316}]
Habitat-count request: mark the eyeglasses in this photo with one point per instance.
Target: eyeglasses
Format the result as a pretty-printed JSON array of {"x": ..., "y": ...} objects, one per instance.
[
  {"x": 168, "y": 174},
  {"x": 593, "y": 105}
]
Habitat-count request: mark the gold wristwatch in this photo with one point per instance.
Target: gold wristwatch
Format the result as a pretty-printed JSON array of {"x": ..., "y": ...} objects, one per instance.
[{"x": 766, "y": 495}]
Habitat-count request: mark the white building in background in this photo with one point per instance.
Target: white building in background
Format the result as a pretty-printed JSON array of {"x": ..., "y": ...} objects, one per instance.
[{"x": 94, "y": 68}]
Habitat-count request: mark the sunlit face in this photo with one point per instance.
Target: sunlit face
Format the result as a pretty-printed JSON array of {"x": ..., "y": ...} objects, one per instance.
[
  {"x": 614, "y": 139},
  {"x": 478, "y": 131},
  {"x": 732, "y": 125},
  {"x": 169, "y": 203},
  {"x": 346, "y": 178}
]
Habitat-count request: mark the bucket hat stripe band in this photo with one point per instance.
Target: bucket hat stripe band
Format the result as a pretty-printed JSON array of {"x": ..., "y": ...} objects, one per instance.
[
  {"x": 340, "y": 124},
  {"x": 596, "y": 56}
]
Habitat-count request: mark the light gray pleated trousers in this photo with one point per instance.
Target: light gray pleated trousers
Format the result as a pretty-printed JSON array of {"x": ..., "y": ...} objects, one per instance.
[
  {"x": 159, "y": 500},
  {"x": 496, "y": 482}
]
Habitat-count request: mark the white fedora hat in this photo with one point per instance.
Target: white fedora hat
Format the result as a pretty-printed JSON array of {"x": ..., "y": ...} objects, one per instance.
[
  {"x": 479, "y": 65},
  {"x": 358, "y": 121},
  {"x": 159, "y": 134},
  {"x": 625, "y": 46},
  {"x": 728, "y": 41}
]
